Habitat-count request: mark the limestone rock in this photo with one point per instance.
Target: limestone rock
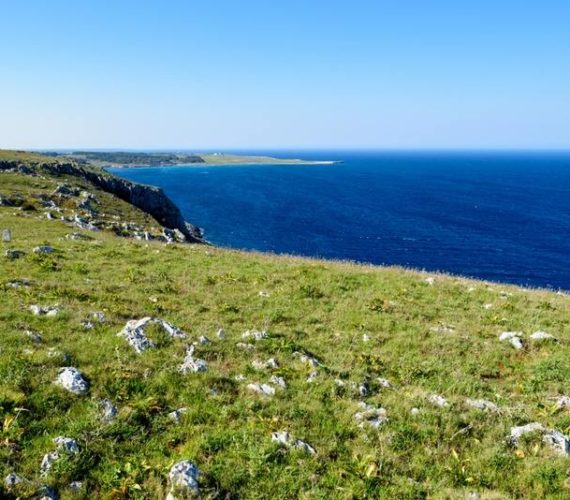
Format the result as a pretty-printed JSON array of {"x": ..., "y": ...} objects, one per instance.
[
  {"x": 285, "y": 439},
  {"x": 482, "y": 404},
  {"x": 12, "y": 480},
  {"x": 183, "y": 478},
  {"x": 263, "y": 389},
  {"x": 437, "y": 400},
  {"x": 255, "y": 335},
  {"x": 134, "y": 332},
  {"x": 540, "y": 336},
  {"x": 515, "y": 339},
  {"x": 109, "y": 410},
  {"x": 557, "y": 441},
  {"x": 519, "y": 431},
  {"x": 176, "y": 415},
  {"x": 305, "y": 358},
  {"x": 71, "y": 379},
  {"x": 270, "y": 364},
  {"x": 370, "y": 416},
  {"x": 278, "y": 381},
  {"x": 191, "y": 364},
  {"x": 44, "y": 310}
]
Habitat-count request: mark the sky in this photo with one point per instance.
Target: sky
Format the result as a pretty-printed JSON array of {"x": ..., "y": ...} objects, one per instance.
[{"x": 298, "y": 74}]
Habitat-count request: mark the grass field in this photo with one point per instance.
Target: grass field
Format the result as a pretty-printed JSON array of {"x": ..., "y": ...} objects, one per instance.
[{"x": 426, "y": 334}]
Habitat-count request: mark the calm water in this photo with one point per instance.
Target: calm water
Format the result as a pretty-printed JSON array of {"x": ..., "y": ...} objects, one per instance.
[{"x": 497, "y": 216}]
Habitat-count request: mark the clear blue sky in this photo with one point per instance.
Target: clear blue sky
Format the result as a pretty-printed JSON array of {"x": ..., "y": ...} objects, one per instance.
[{"x": 285, "y": 74}]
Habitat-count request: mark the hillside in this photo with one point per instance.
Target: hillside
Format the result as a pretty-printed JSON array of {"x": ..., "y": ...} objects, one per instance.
[{"x": 391, "y": 383}]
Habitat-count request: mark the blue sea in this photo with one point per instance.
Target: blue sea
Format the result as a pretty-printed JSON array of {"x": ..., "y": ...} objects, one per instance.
[{"x": 498, "y": 216}]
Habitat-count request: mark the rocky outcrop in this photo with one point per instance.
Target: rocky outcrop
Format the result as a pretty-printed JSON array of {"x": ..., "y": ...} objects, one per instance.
[{"x": 149, "y": 199}]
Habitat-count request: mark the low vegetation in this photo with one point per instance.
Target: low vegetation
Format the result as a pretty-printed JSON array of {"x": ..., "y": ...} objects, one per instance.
[{"x": 341, "y": 336}]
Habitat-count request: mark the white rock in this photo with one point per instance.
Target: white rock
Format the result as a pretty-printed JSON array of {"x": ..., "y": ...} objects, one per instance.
[
  {"x": 191, "y": 364},
  {"x": 312, "y": 376},
  {"x": 482, "y": 404},
  {"x": 305, "y": 358},
  {"x": 415, "y": 411},
  {"x": 278, "y": 381},
  {"x": 538, "y": 336},
  {"x": 47, "y": 493},
  {"x": 430, "y": 281},
  {"x": 87, "y": 325},
  {"x": 239, "y": 378},
  {"x": 71, "y": 379},
  {"x": 363, "y": 390},
  {"x": 270, "y": 364},
  {"x": 134, "y": 332},
  {"x": 176, "y": 415},
  {"x": 47, "y": 462},
  {"x": 245, "y": 347},
  {"x": 370, "y": 416},
  {"x": 63, "y": 445},
  {"x": 487, "y": 306},
  {"x": 44, "y": 310},
  {"x": 263, "y": 389},
  {"x": 285, "y": 439},
  {"x": 263, "y": 293},
  {"x": 203, "y": 340},
  {"x": 109, "y": 410},
  {"x": 443, "y": 329},
  {"x": 517, "y": 432},
  {"x": 183, "y": 478},
  {"x": 557, "y": 441},
  {"x": 513, "y": 337},
  {"x": 437, "y": 400},
  {"x": 365, "y": 337},
  {"x": 255, "y": 334},
  {"x": 221, "y": 334}
]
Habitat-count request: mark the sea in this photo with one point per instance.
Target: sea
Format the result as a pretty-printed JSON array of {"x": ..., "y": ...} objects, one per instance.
[{"x": 499, "y": 216}]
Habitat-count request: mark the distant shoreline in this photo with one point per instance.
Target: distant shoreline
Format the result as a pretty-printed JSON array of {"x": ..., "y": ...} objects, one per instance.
[{"x": 230, "y": 164}]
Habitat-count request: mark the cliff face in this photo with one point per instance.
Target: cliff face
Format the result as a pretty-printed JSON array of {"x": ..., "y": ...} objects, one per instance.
[{"x": 150, "y": 199}]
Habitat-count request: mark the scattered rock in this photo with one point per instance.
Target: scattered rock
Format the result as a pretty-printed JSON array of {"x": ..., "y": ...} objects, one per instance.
[
  {"x": 487, "y": 306},
  {"x": 44, "y": 310},
  {"x": 71, "y": 379},
  {"x": 109, "y": 410},
  {"x": 19, "y": 283},
  {"x": 78, "y": 237},
  {"x": 87, "y": 325},
  {"x": 430, "y": 281},
  {"x": 312, "y": 376},
  {"x": 99, "y": 316},
  {"x": 33, "y": 336},
  {"x": 239, "y": 377},
  {"x": 513, "y": 337},
  {"x": 221, "y": 334},
  {"x": 270, "y": 364},
  {"x": 518, "y": 432},
  {"x": 45, "y": 249},
  {"x": 47, "y": 493},
  {"x": 134, "y": 332},
  {"x": 63, "y": 445},
  {"x": 191, "y": 364},
  {"x": 6, "y": 235},
  {"x": 482, "y": 404},
  {"x": 557, "y": 441},
  {"x": 255, "y": 335},
  {"x": 14, "y": 254},
  {"x": 539, "y": 336},
  {"x": 263, "y": 389},
  {"x": 264, "y": 294},
  {"x": 176, "y": 415},
  {"x": 363, "y": 390},
  {"x": 245, "y": 347},
  {"x": 305, "y": 358},
  {"x": 278, "y": 381},
  {"x": 285, "y": 439},
  {"x": 203, "y": 340},
  {"x": 183, "y": 478},
  {"x": 443, "y": 329},
  {"x": 370, "y": 416},
  {"x": 437, "y": 400},
  {"x": 415, "y": 411}
]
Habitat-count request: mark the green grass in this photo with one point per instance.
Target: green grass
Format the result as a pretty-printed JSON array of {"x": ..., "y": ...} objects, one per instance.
[{"x": 321, "y": 308}]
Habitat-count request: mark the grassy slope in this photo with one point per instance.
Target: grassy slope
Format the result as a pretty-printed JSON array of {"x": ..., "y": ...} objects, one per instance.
[{"x": 323, "y": 308}]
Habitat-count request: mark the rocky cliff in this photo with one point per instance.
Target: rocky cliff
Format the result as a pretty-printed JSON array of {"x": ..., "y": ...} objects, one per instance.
[{"x": 150, "y": 199}]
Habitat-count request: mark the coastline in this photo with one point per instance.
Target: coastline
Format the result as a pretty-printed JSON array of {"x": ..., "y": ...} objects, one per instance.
[{"x": 230, "y": 164}]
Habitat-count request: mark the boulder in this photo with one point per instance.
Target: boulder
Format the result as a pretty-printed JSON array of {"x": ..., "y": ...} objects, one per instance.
[
  {"x": 183, "y": 477},
  {"x": 263, "y": 389},
  {"x": 72, "y": 380}
]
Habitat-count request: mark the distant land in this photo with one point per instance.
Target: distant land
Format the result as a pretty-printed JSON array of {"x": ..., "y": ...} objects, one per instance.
[{"x": 134, "y": 159}]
